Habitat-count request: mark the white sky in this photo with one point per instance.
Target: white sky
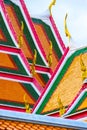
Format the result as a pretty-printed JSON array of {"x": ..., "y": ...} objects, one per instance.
[{"x": 76, "y": 21}]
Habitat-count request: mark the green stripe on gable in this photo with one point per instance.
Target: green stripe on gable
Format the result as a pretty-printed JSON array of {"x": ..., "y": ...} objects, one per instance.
[
  {"x": 44, "y": 77},
  {"x": 50, "y": 35},
  {"x": 59, "y": 77},
  {"x": 31, "y": 91}
]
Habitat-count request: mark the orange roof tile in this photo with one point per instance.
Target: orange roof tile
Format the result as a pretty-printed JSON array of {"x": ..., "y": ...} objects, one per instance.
[{"x": 15, "y": 125}]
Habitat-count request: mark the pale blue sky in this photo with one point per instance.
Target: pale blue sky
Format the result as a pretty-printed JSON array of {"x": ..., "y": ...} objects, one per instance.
[{"x": 76, "y": 21}]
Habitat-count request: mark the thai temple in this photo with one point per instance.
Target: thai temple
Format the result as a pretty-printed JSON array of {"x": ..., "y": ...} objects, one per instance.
[{"x": 43, "y": 83}]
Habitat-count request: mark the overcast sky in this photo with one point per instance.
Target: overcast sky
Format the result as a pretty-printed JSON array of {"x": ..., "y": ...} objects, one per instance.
[{"x": 76, "y": 21}]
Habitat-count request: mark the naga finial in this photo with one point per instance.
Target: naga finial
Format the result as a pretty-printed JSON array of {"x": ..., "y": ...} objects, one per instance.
[
  {"x": 67, "y": 33},
  {"x": 61, "y": 107},
  {"x": 32, "y": 70},
  {"x": 20, "y": 38},
  {"x": 51, "y": 4},
  {"x": 27, "y": 106},
  {"x": 83, "y": 68}
]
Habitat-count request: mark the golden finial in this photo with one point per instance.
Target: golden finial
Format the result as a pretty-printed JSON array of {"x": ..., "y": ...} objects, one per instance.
[
  {"x": 27, "y": 106},
  {"x": 67, "y": 33},
  {"x": 22, "y": 26},
  {"x": 83, "y": 68},
  {"x": 50, "y": 55},
  {"x": 20, "y": 38},
  {"x": 61, "y": 107},
  {"x": 35, "y": 56},
  {"x": 50, "y": 6},
  {"x": 32, "y": 70}
]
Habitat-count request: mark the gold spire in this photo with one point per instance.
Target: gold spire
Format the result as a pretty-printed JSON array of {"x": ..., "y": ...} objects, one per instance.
[
  {"x": 67, "y": 33},
  {"x": 83, "y": 68},
  {"x": 50, "y": 6},
  {"x": 32, "y": 70},
  {"x": 61, "y": 107},
  {"x": 20, "y": 38},
  {"x": 27, "y": 106},
  {"x": 50, "y": 55}
]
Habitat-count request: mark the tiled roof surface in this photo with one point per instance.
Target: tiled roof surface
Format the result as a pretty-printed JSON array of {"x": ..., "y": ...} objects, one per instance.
[{"x": 15, "y": 125}]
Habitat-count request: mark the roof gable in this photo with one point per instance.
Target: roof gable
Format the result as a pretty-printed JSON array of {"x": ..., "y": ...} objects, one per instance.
[
  {"x": 47, "y": 31},
  {"x": 59, "y": 84}
]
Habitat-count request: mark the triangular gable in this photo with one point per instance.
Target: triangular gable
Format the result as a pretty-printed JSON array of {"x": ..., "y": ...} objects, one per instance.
[
  {"x": 47, "y": 31},
  {"x": 79, "y": 104},
  {"x": 16, "y": 14},
  {"x": 66, "y": 82}
]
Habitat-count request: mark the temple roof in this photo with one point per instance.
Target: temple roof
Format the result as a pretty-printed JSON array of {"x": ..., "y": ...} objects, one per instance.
[{"x": 36, "y": 69}]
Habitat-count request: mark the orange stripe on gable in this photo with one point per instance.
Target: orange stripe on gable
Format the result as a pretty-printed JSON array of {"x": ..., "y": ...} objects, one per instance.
[
  {"x": 5, "y": 61},
  {"x": 13, "y": 91}
]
